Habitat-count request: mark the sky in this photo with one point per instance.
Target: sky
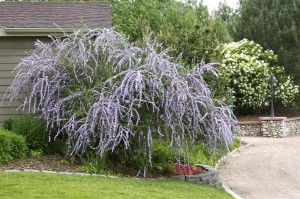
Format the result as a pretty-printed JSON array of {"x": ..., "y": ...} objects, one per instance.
[{"x": 213, "y": 4}]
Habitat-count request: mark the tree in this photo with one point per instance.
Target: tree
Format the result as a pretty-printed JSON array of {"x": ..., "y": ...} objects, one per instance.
[
  {"x": 273, "y": 24},
  {"x": 246, "y": 66},
  {"x": 224, "y": 11},
  {"x": 50, "y": 0},
  {"x": 228, "y": 16},
  {"x": 102, "y": 91},
  {"x": 186, "y": 28}
]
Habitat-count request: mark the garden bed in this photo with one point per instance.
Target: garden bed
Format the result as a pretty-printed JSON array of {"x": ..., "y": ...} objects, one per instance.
[
  {"x": 45, "y": 162},
  {"x": 207, "y": 176}
]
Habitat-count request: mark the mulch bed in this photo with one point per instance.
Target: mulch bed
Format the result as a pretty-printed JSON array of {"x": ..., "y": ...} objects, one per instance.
[
  {"x": 64, "y": 164},
  {"x": 45, "y": 162}
]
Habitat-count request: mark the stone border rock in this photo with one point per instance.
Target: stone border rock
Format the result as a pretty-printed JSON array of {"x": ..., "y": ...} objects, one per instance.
[
  {"x": 222, "y": 159},
  {"x": 56, "y": 172},
  {"x": 233, "y": 194},
  {"x": 209, "y": 177}
]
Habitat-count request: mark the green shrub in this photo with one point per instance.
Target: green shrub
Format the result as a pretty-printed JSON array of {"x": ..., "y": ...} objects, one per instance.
[
  {"x": 93, "y": 163},
  {"x": 130, "y": 161},
  {"x": 200, "y": 154},
  {"x": 163, "y": 156},
  {"x": 35, "y": 153},
  {"x": 162, "y": 152},
  {"x": 236, "y": 144},
  {"x": 12, "y": 146},
  {"x": 7, "y": 124},
  {"x": 33, "y": 130},
  {"x": 57, "y": 146}
]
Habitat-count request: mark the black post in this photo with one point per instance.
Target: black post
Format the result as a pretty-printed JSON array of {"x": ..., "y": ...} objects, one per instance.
[
  {"x": 272, "y": 99},
  {"x": 272, "y": 81},
  {"x": 231, "y": 106}
]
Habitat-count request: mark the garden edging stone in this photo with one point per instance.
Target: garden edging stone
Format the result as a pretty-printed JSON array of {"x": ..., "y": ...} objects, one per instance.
[
  {"x": 57, "y": 172},
  {"x": 210, "y": 177},
  {"x": 227, "y": 189}
]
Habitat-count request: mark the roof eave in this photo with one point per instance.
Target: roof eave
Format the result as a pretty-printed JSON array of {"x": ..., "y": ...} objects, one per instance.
[{"x": 34, "y": 31}]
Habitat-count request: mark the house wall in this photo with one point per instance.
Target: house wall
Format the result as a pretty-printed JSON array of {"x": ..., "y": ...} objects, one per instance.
[{"x": 12, "y": 50}]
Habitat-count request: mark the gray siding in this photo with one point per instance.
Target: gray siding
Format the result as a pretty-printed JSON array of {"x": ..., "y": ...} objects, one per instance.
[{"x": 12, "y": 50}]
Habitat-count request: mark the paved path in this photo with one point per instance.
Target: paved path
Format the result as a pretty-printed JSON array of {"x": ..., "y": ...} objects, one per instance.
[{"x": 270, "y": 169}]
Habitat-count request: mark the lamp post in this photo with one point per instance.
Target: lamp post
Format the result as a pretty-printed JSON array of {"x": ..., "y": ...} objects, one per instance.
[
  {"x": 231, "y": 91},
  {"x": 272, "y": 80}
]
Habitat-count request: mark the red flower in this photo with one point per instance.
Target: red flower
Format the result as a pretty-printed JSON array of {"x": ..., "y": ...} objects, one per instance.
[{"x": 181, "y": 169}]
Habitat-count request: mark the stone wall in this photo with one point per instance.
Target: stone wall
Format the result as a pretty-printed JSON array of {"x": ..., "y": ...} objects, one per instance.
[
  {"x": 293, "y": 125},
  {"x": 273, "y": 127},
  {"x": 251, "y": 128},
  {"x": 276, "y": 127}
]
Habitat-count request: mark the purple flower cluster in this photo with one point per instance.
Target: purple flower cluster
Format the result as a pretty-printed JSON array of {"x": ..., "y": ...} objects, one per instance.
[{"x": 94, "y": 86}]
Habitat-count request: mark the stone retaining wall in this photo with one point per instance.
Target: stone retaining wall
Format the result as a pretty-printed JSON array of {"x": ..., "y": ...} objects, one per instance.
[
  {"x": 293, "y": 125},
  {"x": 252, "y": 128},
  {"x": 273, "y": 127},
  {"x": 276, "y": 127}
]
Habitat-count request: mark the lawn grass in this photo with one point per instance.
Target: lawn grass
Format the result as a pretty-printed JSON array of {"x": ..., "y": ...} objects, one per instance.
[{"x": 42, "y": 185}]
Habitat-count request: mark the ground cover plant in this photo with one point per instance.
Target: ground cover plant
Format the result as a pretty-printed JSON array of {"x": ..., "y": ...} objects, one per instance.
[
  {"x": 37, "y": 185},
  {"x": 106, "y": 94}
]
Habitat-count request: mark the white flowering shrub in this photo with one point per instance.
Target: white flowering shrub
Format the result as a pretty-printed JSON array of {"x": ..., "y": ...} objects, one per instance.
[{"x": 247, "y": 67}]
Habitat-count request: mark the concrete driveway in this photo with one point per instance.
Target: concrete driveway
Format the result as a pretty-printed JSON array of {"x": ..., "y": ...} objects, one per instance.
[{"x": 270, "y": 168}]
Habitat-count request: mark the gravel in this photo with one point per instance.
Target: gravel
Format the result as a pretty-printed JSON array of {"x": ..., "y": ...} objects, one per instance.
[{"x": 267, "y": 169}]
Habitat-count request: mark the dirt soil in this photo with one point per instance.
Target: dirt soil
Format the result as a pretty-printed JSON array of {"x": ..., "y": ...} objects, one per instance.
[
  {"x": 267, "y": 170},
  {"x": 45, "y": 162},
  {"x": 65, "y": 164}
]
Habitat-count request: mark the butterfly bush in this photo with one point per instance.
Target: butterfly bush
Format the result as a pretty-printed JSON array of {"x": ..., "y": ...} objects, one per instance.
[
  {"x": 247, "y": 67},
  {"x": 96, "y": 87}
]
